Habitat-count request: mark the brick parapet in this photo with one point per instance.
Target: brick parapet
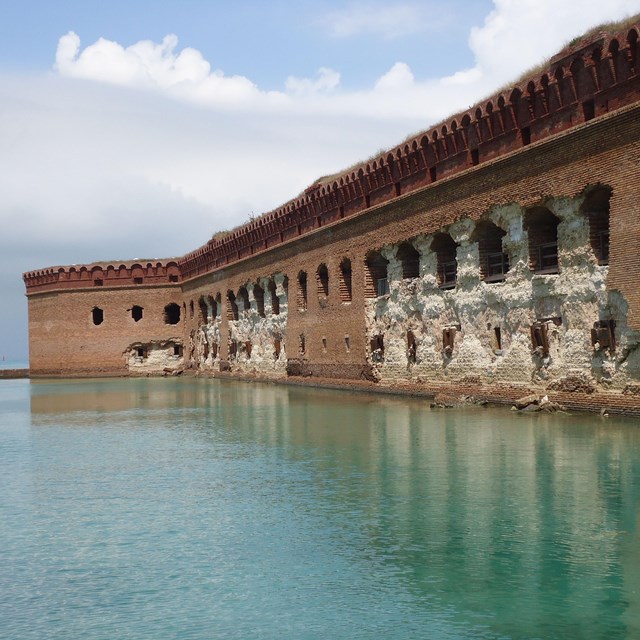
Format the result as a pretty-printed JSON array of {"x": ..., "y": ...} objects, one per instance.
[{"x": 130, "y": 273}]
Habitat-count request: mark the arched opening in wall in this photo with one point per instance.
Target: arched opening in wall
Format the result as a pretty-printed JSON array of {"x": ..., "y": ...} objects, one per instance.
[
  {"x": 97, "y": 315},
  {"x": 376, "y": 283},
  {"x": 302, "y": 291},
  {"x": 136, "y": 313},
  {"x": 409, "y": 259},
  {"x": 275, "y": 300},
  {"x": 596, "y": 209},
  {"x": 494, "y": 262},
  {"x": 277, "y": 347},
  {"x": 412, "y": 347},
  {"x": 258, "y": 295},
  {"x": 191, "y": 309},
  {"x": 232, "y": 306},
  {"x": 445, "y": 249},
  {"x": 233, "y": 349},
  {"x": 322, "y": 282},
  {"x": 344, "y": 284},
  {"x": 376, "y": 346},
  {"x": 172, "y": 313},
  {"x": 243, "y": 295},
  {"x": 542, "y": 228},
  {"x": 204, "y": 311},
  {"x": 213, "y": 306}
]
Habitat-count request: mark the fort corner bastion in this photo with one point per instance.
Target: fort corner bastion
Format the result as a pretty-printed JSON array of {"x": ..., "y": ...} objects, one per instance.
[{"x": 495, "y": 255}]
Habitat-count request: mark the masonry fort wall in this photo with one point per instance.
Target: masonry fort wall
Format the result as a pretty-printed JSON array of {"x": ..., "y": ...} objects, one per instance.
[{"x": 371, "y": 244}]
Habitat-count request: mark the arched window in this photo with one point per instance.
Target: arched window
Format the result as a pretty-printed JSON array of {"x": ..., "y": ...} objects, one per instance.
[
  {"x": 596, "y": 210},
  {"x": 542, "y": 228},
  {"x": 302, "y": 291},
  {"x": 243, "y": 295},
  {"x": 494, "y": 262},
  {"x": 213, "y": 304},
  {"x": 136, "y": 313},
  {"x": 275, "y": 300},
  {"x": 232, "y": 306},
  {"x": 204, "y": 310},
  {"x": 258, "y": 294},
  {"x": 97, "y": 315},
  {"x": 172, "y": 313},
  {"x": 344, "y": 284},
  {"x": 445, "y": 248},
  {"x": 409, "y": 259},
  {"x": 375, "y": 275},
  {"x": 322, "y": 282}
]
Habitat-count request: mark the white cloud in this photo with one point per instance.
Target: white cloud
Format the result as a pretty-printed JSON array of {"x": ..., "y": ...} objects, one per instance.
[
  {"x": 326, "y": 81},
  {"x": 379, "y": 18}
]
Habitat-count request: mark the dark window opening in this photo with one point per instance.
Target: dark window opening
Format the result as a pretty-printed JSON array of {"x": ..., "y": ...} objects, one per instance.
[
  {"x": 367, "y": 201},
  {"x": 433, "y": 174},
  {"x": 412, "y": 347},
  {"x": 243, "y": 295},
  {"x": 448, "y": 340},
  {"x": 589, "y": 110},
  {"x": 205, "y": 350},
  {"x": 141, "y": 352},
  {"x": 542, "y": 228},
  {"x": 233, "y": 348},
  {"x": 137, "y": 280},
  {"x": 409, "y": 259},
  {"x": 247, "y": 347},
  {"x": 397, "y": 188},
  {"x": 302, "y": 345},
  {"x": 214, "y": 350},
  {"x": 275, "y": 300},
  {"x": 497, "y": 339},
  {"x": 302, "y": 291},
  {"x": 177, "y": 350},
  {"x": 596, "y": 209},
  {"x": 494, "y": 262},
  {"x": 375, "y": 282},
  {"x": 204, "y": 311},
  {"x": 97, "y": 315},
  {"x": 344, "y": 285},
  {"x": 136, "y": 313},
  {"x": 191, "y": 309},
  {"x": 232, "y": 307},
  {"x": 213, "y": 303},
  {"x": 603, "y": 335},
  {"x": 277, "y": 348},
  {"x": 445, "y": 249},
  {"x": 173, "y": 278},
  {"x": 172, "y": 313},
  {"x": 322, "y": 282},
  {"x": 525, "y": 134},
  {"x": 258, "y": 294},
  {"x": 540, "y": 339},
  {"x": 98, "y": 282},
  {"x": 377, "y": 348},
  {"x": 347, "y": 343},
  {"x": 324, "y": 345},
  {"x": 475, "y": 157}
]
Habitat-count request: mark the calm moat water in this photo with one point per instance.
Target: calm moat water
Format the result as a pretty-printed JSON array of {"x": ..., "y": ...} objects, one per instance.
[{"x": 187, "y": 508}]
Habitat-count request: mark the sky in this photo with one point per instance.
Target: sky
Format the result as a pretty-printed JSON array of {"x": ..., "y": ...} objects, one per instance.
[{"x": 137, "y": 129}]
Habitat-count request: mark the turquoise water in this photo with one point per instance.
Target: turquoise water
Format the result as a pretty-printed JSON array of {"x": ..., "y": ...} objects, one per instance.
[{"x": 171, "y": 508}]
